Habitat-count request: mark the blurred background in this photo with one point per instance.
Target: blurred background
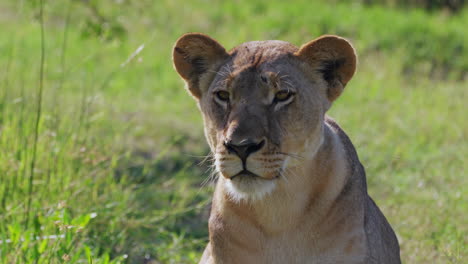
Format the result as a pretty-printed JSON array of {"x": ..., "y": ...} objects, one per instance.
[{"x": 102, "y": 150}]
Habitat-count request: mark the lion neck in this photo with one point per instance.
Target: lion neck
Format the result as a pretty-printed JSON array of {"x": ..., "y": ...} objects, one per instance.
[{"x": 311, "y": 188}]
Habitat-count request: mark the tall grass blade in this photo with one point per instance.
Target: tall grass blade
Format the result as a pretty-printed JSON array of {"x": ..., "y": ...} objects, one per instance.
[{"x": 38, "y": 114}]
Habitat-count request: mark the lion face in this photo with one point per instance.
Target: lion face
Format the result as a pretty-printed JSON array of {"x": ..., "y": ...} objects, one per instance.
[
  {"x": 259, "y": 118},
  {"x": 263, "y": 105}
]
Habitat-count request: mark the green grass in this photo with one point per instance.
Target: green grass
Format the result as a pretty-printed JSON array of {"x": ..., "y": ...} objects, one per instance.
[{"x": 116, "y": 178}]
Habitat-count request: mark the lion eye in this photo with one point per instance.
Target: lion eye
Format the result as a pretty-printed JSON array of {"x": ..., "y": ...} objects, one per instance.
[
  {"x": 282, "y": 96},
  {"x": 222, "y": 95}
]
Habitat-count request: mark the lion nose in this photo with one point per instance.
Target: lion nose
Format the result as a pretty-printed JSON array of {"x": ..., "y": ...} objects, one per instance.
[{"x": 244, "y": 148}]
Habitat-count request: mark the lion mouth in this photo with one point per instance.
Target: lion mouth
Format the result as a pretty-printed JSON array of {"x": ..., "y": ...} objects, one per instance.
[
  {"x": 248, "y": 174},
  {"x": 245, "y": 173}
]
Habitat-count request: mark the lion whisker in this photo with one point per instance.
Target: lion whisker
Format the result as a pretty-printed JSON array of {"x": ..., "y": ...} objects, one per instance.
[
  {"x": 206, "y": 158},
  {"x": 283, "y": 176},
  {"x": 292, "y": 155},
  {"x": 291, "y": 172},
  {"x": 211, "y": 178},
  {"x": 286, "y": 180}
]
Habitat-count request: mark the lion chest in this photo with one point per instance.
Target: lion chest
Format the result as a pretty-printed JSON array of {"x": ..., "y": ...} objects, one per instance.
[
  {"x": 306, "y": 247},
  {"x": 297, "y": 247}
]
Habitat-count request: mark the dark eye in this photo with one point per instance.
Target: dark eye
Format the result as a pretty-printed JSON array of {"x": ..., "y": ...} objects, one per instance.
[
  {"x": 282, "y": 96},
  {"x": 222, "y": 95}
]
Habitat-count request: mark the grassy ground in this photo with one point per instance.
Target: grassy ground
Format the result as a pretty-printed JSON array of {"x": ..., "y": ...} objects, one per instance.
[{"x": 110, "y": 174}]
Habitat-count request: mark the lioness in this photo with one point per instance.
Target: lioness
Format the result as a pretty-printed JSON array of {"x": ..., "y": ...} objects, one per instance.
[{"x": 291, "y": 187}]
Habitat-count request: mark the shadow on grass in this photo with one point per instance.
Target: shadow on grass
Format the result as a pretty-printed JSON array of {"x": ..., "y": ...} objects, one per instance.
[{"x": 163, "y": 209}]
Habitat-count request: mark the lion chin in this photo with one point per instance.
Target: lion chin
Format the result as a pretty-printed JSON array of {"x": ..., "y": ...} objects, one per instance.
[{"x": 248, "y": 187}]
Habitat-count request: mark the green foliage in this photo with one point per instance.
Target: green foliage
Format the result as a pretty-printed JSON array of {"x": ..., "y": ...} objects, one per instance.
[
  {"x": 430, "y": 5},
  {"x": 116, "y": 177}
]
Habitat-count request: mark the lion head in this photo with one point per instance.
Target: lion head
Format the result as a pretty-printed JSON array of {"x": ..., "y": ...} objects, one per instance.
[{"x": 263, "y": 103}]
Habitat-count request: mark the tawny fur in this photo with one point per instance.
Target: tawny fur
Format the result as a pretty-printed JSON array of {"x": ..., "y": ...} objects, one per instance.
[{"x": 308, "y": 201}]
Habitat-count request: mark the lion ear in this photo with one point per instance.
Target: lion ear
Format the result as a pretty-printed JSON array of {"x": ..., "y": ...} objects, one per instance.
[
  {"x": 195, "y": 54},
  {"x": 334, "y": 58}
]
